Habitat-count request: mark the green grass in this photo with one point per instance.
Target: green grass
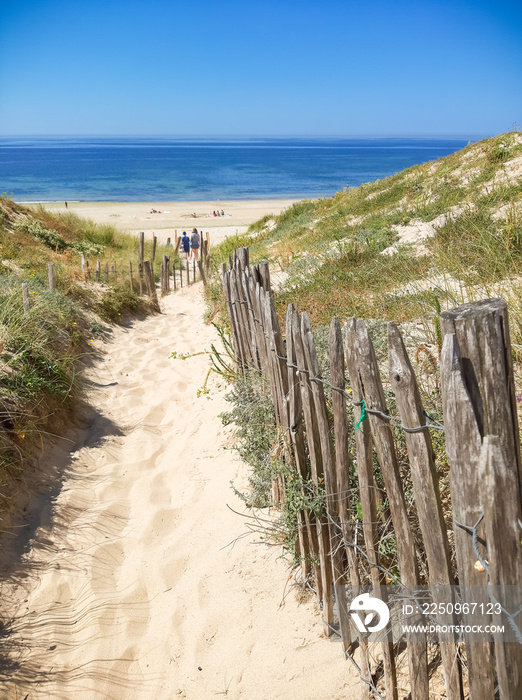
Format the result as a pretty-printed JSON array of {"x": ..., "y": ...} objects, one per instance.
[
  {"x": 40, "y": 348},
  {"x": 38, "y": 353},
  {"x": 33, "y": 237},
  {"x": 332, "y": 248}
]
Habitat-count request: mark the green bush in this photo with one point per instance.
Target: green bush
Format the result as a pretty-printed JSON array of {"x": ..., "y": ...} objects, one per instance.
[
  {"x": 88, "y": 248},
  {"x": 499, "y": 153},
  {"x": 116, "y": 302},
  {"x": 47, "y": 236}
]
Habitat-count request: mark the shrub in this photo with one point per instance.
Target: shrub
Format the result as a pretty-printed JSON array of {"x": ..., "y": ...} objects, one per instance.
[
  {"x": 116, "y": 302},
  {"x": 47, "y": 236}
]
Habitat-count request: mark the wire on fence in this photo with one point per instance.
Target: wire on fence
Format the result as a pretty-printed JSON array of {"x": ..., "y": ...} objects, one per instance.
[
  {"x": 473, "y": 530},
  {"x": 430, "y": 422}
]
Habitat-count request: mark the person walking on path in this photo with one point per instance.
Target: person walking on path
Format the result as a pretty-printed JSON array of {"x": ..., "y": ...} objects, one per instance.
[
  {"x": 194, "y": 243},
  {"x": 185, "y": 243}
]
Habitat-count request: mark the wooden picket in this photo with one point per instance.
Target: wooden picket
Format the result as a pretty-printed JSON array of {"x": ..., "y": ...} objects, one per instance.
[{"x": 479, "y": 408}]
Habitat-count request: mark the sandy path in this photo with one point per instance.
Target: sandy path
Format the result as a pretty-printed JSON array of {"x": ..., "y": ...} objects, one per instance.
[{"x": 134, "y": 593}]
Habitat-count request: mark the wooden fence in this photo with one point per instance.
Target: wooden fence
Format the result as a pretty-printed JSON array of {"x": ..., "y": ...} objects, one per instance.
[
  {"x": 480, "y": 547},
  {"x": 171, "y": 278}
]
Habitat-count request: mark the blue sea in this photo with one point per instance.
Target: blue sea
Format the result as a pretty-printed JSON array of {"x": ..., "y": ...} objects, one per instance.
[{"x": 182, "y": 169}]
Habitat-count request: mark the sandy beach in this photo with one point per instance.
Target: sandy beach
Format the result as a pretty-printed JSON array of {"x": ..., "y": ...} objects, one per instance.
[
  {"x": 168, "y": 217},
  {"x": 139, "y": 582}
]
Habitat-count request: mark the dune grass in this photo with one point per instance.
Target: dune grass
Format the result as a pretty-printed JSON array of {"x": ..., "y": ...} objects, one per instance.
[
  {"x": 336, "y": 253},
  {"x": 342, "y": 256},
  {"x": 40, "y": 349}
]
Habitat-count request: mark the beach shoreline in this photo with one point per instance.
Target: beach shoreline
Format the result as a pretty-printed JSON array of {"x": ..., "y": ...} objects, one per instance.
[{"x": 166, "y": 218}]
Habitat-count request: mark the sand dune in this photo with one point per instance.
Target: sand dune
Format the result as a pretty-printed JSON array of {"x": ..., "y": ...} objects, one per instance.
[{"x": 133, "y": 590}]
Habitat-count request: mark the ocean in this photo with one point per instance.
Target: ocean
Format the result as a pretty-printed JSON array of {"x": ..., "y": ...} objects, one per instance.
[{"x": 182, "y": 169}]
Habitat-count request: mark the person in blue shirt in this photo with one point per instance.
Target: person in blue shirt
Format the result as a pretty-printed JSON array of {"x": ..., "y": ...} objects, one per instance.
[{"x": 185, "y": 244}]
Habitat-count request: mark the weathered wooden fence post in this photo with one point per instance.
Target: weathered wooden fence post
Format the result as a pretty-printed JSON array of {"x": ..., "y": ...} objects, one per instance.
[
  {"x": 324, "y": 581},
  {"x": 165, "y": 275},
  {"x": 202, "y": 273},
  {"x": 150, "y": 282},
  {"x": 295, "y": 421},
  {"x": 98, "y": 271},
  {"x": 51, "y": 276},
  {"x": 482, "y": 443},
  {"x": 342, "y": 467},
  {"x": 368, "y": 496},
  {"x": 234, "y": 332},
  {"x": 141, "y": 252},
  {"x": 374, "y": 399},
  {"x": 427, "y": 497},
  {"x": 162, "y": 277},
  {"x": 335, "y": 540}
]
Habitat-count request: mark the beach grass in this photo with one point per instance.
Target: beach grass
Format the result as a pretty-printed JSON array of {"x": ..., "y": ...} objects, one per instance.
[
  {"x": 42, "y": 347},
  {"x": 344, "y": 256}
]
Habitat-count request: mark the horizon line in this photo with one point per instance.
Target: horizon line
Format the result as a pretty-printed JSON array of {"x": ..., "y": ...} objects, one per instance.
[{"x": 252, "y": 136}]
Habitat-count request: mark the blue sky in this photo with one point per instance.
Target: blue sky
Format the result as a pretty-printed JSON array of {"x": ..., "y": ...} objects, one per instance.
[{"x": 274, "y": 67}]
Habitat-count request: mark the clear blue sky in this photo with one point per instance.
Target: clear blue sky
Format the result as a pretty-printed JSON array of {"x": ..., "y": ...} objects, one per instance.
[{"x": 263, "y": 67}]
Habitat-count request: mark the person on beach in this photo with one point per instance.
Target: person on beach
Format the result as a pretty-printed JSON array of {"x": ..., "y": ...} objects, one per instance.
[
  {"x": 194, "y": 243},
  {"x": 185, "y": 243}
]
